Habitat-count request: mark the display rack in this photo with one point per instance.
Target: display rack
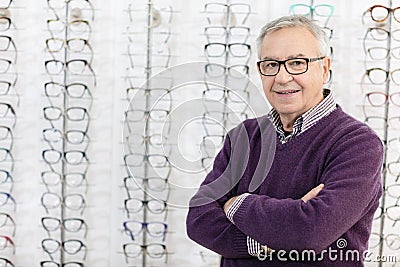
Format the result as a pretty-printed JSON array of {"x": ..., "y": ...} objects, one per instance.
[{"x": 68, "y": 92}]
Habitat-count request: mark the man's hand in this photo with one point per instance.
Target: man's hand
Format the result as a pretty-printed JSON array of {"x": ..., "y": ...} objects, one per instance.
[
  {"x": 229, "y": 203},
  {"x": 312, "y": 193}
]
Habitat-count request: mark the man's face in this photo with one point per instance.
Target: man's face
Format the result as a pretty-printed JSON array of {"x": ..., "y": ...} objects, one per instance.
[{"x": 292, "y": 95}]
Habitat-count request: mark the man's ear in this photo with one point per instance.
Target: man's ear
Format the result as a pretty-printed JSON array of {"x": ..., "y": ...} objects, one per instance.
[{"x": 326, "y": 68}]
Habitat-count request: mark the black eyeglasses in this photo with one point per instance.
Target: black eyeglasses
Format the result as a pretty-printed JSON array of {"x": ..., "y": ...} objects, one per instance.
[
  {"x": 153, "y": 250},
  {"x": 71, "y": 247},
  {"x": 154, "y": 229},
  {"x": 135, "y": 205},
  {"x": 72, "y": 225},
  {"x": 294, "y": 66}
]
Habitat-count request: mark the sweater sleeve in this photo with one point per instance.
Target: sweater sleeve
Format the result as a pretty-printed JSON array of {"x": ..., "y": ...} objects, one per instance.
[
  {"x": 352, "y": 186},
  {"x": 206, "y": 222}
]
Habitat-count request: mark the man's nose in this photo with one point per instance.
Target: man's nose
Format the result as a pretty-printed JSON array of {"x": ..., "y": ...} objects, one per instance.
[{"x": 283, "y": 76}]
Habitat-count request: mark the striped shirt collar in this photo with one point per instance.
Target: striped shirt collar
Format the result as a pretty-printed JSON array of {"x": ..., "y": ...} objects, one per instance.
[{"x": 305, "y": 121}]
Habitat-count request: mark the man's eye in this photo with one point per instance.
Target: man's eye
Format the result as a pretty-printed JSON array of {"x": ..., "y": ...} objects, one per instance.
[
  {"x": 296, "y": 62},
  {"x": 271, "y": 64}
]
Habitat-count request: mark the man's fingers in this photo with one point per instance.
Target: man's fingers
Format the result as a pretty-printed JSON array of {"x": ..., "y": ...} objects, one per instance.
[{"x": 312, "y": 193}]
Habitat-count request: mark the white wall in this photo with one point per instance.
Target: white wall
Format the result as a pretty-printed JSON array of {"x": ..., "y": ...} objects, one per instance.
[{"x": 104, "y": 213}]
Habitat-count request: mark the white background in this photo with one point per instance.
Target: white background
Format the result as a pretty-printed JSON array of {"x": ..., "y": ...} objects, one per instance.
[{"x": 104, "y": 213}]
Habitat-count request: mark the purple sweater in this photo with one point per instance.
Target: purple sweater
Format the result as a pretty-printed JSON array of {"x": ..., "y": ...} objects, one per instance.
[{"x": 338, "y": 151}]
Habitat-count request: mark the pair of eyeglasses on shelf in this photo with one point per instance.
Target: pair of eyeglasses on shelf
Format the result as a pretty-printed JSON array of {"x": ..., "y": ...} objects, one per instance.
[
  {"x": 64, "y": 264},
  {"x": 221, "y": 34},
  {"x": 391, "y": 240},
  {"x": 322, "y": 10},
  {"x": 7, "y": 201},
  {"x": 74, "y": 66},
  {"x": 53, "y": 113},
  {"x": 158, "y": 14},
  {"x": 71, "y": 225},
  {"x": 218, "y": 117},
  {"x": 225, "y": 95},
  {"x": 74, "y": 202},
  {"x": 134, "y": 184},
  {"x": 72, "y": 90},
  {"x": 379, "y": 99},
  {"x": 153, "y": 250},
  {"x": 77, "y": 45},
  {"x": 380, "y": 76},
  {"x": 136, "y": 205},
  {"x": 73, "y": 180},
  {"x": 218, "y": 70},
  {"x": 379, "y": 122},
  {"x": 380, "y": 13},
  {"x": 138, "y": 159},
  {"x": 76, "y": 28},
  {"x": 234, "y": 49},
  {"x": 71, "y": 140},
  {"x": 73, "y": 137},
  {"x": 161, "y": 172},
  {"x": 84, "y": 6},
  {"x": 134, "y": 228},
  {"x": 234, "y": 13},
  {"x": 156, "y": 140},
  {"x": 380, "y": 34},
  {"x": 136, "y": 115},
  {"x": 72, "y": 157},
  {"x": 71, "y": 247},
  {"x": 380, "y": 53}
]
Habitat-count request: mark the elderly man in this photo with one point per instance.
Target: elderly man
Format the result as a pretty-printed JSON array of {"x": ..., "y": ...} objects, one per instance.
[{"x": 315, "y": 205}]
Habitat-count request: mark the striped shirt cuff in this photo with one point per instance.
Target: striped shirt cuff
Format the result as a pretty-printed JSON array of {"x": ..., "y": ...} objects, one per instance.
[
  {"x": 253, "y": 247},
  {"x": 235, "y": 206}
]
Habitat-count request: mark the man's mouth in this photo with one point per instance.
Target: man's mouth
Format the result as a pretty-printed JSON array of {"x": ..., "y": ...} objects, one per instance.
[{"x": 287, "y": 92}]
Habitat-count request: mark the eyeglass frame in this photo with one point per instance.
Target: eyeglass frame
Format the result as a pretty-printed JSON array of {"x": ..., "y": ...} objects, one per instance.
[{"x": 283, "y": 62}]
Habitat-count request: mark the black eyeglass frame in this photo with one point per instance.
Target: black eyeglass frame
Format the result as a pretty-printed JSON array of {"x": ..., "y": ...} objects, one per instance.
[{"x": 283, "y": 62}]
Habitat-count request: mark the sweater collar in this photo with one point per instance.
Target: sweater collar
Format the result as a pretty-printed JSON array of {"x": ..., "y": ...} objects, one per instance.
[{"x": 306, "y": 120}]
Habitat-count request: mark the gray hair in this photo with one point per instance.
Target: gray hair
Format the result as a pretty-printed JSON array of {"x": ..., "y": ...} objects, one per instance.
[{"x": 295, "y": 21}]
